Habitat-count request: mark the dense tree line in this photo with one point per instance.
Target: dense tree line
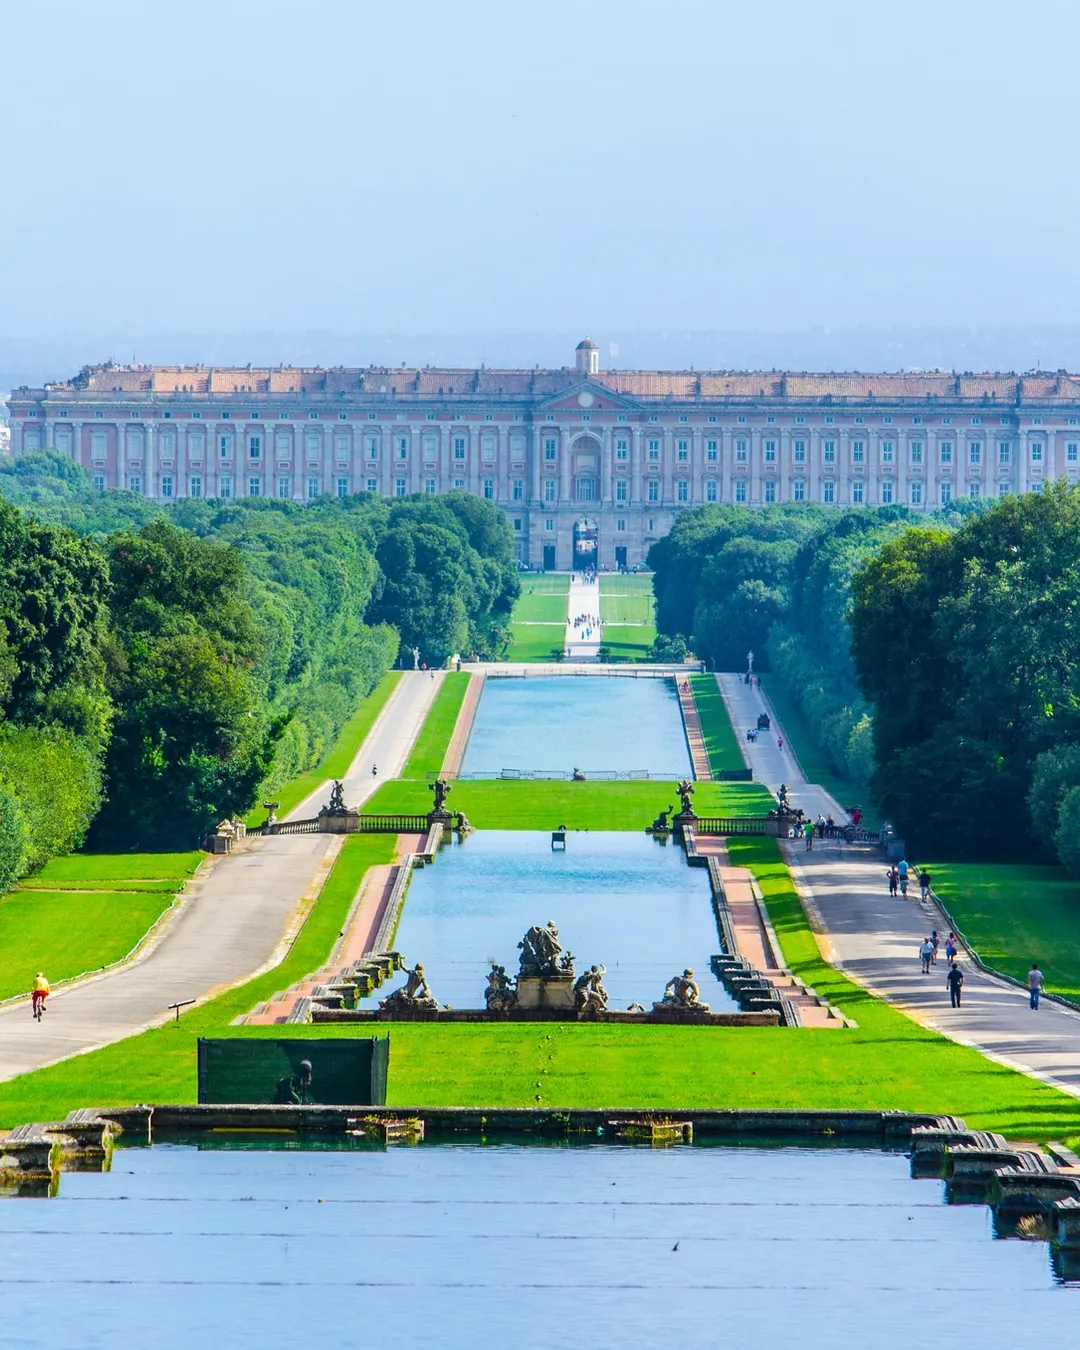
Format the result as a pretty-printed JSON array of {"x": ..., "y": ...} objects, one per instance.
[{"x": 159, "y": 666}]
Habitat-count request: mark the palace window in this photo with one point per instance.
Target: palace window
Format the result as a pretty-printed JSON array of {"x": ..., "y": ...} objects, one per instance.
[
  {"x": 489, "y": 417},
  {"x": 770, "y": 452},
  {"x": 975, "y": 421},
  {"x": 549, "y": 525},
  {"x": 134, "y": 482},
  {"x": 403, "y": 447},
  {"x": 710, "y": 451},
  {"x": 1071, "y": 452},
  {"x": 916, "y": 421},
  {"x": 254, "y": 487},
  {"x": 373, "y": 447},
  {"x": 400, "y": 487},
  {"x": 312, "y": 417},
  {"x": 828, "y": 492},
  {"x": 946, "y": 421},
  {"x": 800, "y": 420},
  {"x": 284, "y": 487},
  {"x": 97, "y": 446},
  {"x": 653, "y": 493},
  {"x": 886, "y": 494},
  {"x": 974, "y": 490},
  {"x": 225, "y": 485},
  {"x": 654, "y": 417},
  {"x": 740, "y": 452},
  {"x": 682, "y": 451},
  {"x": 459, "y": 447},
  {"x": 654, "y": 450},
  {"x": 431, "y": 447},
  {"x": 620, "y": 525},
  {"x": 888, "y": 450},
  {"x": 166, "y": 485},
  {"x": 916, "y": 451},
  {"x": 283, "y": 445},
  {"x": 373, "y": 485},
  {"x": 798, "y": 452},
  {"x": 549, "y": 489},
  {"x": 622, "y": 450},
  {"x": 770, "y": 491},
  {"x": 1036, "y": 452},
  {"x": 585, "y": 489},
  {"x": 740, "y": 490},
  {"x": 195, "y": 486},
  {"x": 828, "y": 452},
  {"x": 342, "y": 487},
  {"x": 313, "y": 487},
  {"x": 225, "y": 446},
  {"x": 945, "y": 452},
  {"x": 459, "y": 484},
  {"x": 254, "y": 447},
  {"x": 887, "y": 419},
  {"x": 487, "y": 449},
  {"x": 341, "y": 449},
  {"x": 683, "y": 417},
  {"x": 518, "y": 489},
  {"x": 857, "y": 493},
  {"x": 314, "y": 447},
  {"x": 798, "y": 490},
  {"x": 651, "y": 526},
  {"x": 489, "y": 489},
  {"x": 858, "y": 452},
  {"x": 429, "y": 484},
  {"x": 741, "y": 418},
  {"x": 620, "y": 490},
  {"x": 549, "y": 449},
  {"x": 916, "y": 493},
  {"x": 710, "y": 490},
  {"x": 830, "y": 420},
  {"x": 1004, "y": 452},
  {"x": 430, "y": 417},
  {"x": 975, "y": 452},
  {"x": 945, "y": 492},
  {"x": 682, "y": 490},
  {"x": 371, "y": 417}
]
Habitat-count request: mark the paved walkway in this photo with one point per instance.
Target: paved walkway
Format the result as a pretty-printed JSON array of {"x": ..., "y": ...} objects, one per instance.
[
  {"x": 875, "y": 938},
  {"x": 232, "y": 922},
  {"x": 584, "y": 599},
  {"x": 695, "y": 739}
]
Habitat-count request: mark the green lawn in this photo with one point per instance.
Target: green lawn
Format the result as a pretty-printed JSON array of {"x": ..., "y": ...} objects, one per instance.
[
  {"x": 68, "y": 933},
  {"x": 543, "y": 599},
  {"x": 139, "y": 871},
  {"x": 160, "y": 1065},
  {"x": 1013, "y": 914},
  {"x": 509, "y": 805},
  {"x": 536, "y": 642},
  {"x": 627, "y": 599},
  {"x": 335, "y": 763},
  {"x": 628, "y": 642},
  {"x": 429, "y": 749},
  {"x": 720, "y": 742}
]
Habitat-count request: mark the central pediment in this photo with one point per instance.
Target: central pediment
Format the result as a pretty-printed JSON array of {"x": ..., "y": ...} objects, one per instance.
[{"x": 587, "y": 396}]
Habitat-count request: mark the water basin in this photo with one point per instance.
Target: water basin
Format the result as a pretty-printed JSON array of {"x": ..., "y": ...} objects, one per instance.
[
  {"x": 561, "y": 722},
  {"x": 617, "y": 898}
]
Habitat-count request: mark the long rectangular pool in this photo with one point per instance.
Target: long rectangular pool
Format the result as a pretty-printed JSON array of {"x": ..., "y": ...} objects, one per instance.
[
  {"x": 450, "y": 1246},
  {"x": 618, "y": 899},
  {"x": 557, "y": 723}
]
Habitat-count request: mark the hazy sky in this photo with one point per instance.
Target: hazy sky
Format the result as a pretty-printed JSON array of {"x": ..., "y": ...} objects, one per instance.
[{"x": 494, "y": 166}]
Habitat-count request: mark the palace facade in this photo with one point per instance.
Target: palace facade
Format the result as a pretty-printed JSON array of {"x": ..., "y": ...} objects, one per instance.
[{"x": 587, "y": 463}]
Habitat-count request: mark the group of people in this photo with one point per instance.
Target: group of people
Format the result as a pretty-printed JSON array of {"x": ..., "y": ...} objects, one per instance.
[
  {"x": 899, "y": 874},
  {"x": 586, "y": 624},
  {"x": 954, "y": 976}
]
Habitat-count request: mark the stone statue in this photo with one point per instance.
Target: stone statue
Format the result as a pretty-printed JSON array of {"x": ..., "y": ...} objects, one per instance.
[
  {"x": 441, "y": 789},
  {"x": 577, "y": 776},
  {"x": 590, "y": 996},
  {"x": 414, "y": 996},
  {"x": 540, "y": 952},
  {"x": 681, "y": 995},
  {"x": 686, "y": 793},
  {"x": 337, "y": 798},
  {"x": 660, "y": 824},
  {"x": 416, "y": 658},
  {"x": 499, "y": 994}
]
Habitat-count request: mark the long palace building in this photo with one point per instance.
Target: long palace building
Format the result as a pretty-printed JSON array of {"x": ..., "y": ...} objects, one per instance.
[{"x": 586, "y": 463}]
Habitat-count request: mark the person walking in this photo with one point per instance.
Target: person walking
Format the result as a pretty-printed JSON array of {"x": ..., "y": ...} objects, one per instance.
[
  {"x": 954, "y": 981},
  {"x": 950, "y": 948},
  {"x": 926, "y": 955},
  {"x": 1035, "y": 983},
  {"x": 894, "y": 880},
  {"x": 779, "y": 742},
  {"x": 808, "y": 834},
  {"x": 924, "y": 884},
  {"x": 935, "y": 943}
]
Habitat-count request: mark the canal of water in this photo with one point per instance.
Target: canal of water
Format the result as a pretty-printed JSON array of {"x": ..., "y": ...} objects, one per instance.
[
  {"x": 557, "y": 723},
  {"x": 618, "y": 899},
  {"x": 442, "y": 1246}
]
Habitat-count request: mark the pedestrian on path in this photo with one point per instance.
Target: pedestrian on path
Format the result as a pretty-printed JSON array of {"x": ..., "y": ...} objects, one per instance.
[
  {"x": 1035, "y": 983},
  {"x": 808, "y": 834},
  {"x": 924, "y": 884},
  {"x": 779, "y": 742},
  {"x": 926, "y": 955},
  {"x": 894, "y": 879},
  {"x": 954, "y": 982},
  {"x": 936, "y": 942},
  {"x": 950, "y": 947}
]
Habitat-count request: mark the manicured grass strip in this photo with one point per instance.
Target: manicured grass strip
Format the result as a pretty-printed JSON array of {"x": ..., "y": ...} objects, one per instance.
[
  {"x": 84, "y": 869},
  {"x": 335, "y": 763},
  {"x": 542, "y": 600},
  {"x": 159, "y": 1065},
  {"x": 720, "y": 743},
  {"x": 626, "y": 600},
  {"x": 509, "y": 805},
  {"x": 536, "y": 642},
  {"x": 1013, "y": 914},
  {"x": 628, "y": 642},
  {"x": 65, "y": 934},
  {"x": 889, "y": 1061},
  {"x": 815, "y": 765},
  {"x": 430, "y": 747}
]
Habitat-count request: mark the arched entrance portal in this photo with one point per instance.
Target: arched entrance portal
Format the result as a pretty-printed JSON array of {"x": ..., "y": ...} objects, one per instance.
[{"x": 585, "y": 545}]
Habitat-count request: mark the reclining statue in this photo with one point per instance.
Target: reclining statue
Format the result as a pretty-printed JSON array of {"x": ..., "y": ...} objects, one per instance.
[
  {"x": 681, "y": 995},
  {"x": 414, "y": 996}
]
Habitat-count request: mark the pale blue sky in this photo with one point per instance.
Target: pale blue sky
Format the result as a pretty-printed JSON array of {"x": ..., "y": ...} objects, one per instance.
[{"x": 488, "y": 166}]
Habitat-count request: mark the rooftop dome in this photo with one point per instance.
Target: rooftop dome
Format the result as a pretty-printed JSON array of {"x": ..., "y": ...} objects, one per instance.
[{"x": 588, "y": 345}]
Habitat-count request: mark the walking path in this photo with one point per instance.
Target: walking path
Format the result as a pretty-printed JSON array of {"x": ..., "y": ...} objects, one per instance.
[
  {"x": 236, "y": 919},
  {"x": 875, "y": 938},
  {"x": 695, "y": 739},
  {"x": 584, "y": 599}
]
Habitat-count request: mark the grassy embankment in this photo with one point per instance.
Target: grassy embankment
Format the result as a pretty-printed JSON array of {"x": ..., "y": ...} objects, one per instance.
[
  {"x": 335, "y": 763},
  {"x": 720, "y": 743},
  {"x": 627, "y": 612},
  {"x": 538, "y": 625},
  {"x": 83, "y": 912},
  {"x": 429, "y": 749}
]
